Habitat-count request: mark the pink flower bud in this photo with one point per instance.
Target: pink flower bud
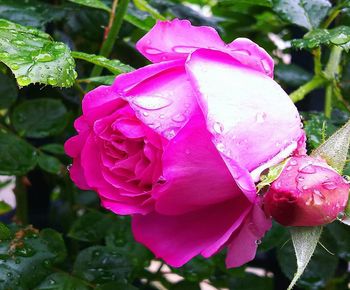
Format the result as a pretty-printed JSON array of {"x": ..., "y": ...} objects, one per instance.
[{"x": 307, "y": 193}]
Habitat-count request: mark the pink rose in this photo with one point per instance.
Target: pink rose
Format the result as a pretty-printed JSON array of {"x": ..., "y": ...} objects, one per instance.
[
  {"x": 180, "y": 143},
  {"x": 307, "y": 193}
]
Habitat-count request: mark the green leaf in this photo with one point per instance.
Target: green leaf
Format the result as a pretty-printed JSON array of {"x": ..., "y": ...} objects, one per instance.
[
  {"x": 140, "y": 19},
  {"x": 335, "y": 149},
  {"x": 185, "y": 285},
  {"x": 93, "y": 4},
  {"x": 91, "y": 227},
  {"x": 53, "y": 148},
  {"x": 321, "y": 267},
  {"x": 30, "y": 12},
  {"x": 34, "y": 58},
  {"x": 339, "y": 36},
  {"x": 114, "y": 66},
  {"x": 4, "y": 207},
  {"x": 60, "y": 281},
  {"x": 101, "y": 80},
  {"x": 17, "y": 157},
  {"x": 100, "y": 264},
  {"x": 305, "y": 240},
  {"x": 49, "y": 163},
  {"x": 292, "y": 75},
  {"x": 28, "y": 257},
  {"x": 341, "y": 234},
  {"x": 305, "y": 13},
  {"x": 39, "y": 118},
  {"x": 5, "y": 233},
  {"x": 273, "y": 173},
  {"x": 144, "y": 6},
  {"x": 8, "y": 91}
]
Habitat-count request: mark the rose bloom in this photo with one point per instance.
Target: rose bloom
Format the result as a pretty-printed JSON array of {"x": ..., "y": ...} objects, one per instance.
[
  {"x": 180, "y": 143},
  {"x": 307, "y": 193}
]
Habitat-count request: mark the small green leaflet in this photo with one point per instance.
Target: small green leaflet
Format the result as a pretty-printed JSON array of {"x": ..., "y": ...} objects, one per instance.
[
  {"x": 273, "y": 173},
  {"x": 93, "y": 4}
]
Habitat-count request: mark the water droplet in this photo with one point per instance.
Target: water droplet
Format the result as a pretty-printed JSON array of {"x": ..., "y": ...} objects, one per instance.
[
  {"x": 15, "y": 66},
  {"x": 179, "y": 118},
  {"x": 221, "y": 147},
  {"x": 288, "y": 168},
  {"x": 161, "y": 179},
  {"x": 330, "y": 185},
  {"x": 170, "y": 132},
  {"x": 69, "y": 166},
  {"x": 145, "y": 114},
  {"x": 319, "y": 194},
  {"x": 96, "y": 253},
  {"x": 161, "y": 116},
  {"x": 52, "y": 81},
  {"x": 308, "y": 169},
  {"x": 183, "y": 49},
  {"x": 260, "y": 117},
  {"x": 25, "y": 251},
  {"x": 277, "y": 144},
  {"x": 9, "y": 274},
  {"x": 44, "y": 57},
  {"x": 23, "y": 80},
  {"x": 187, "y": 151},
  {"x": 218, "y": 127},
  {"x": 301, "y": 125},
  {"x": 52, "y": 282},
  {"x": 151, "y": 102},
  {"x": 304, "y": 187},
  {"x": 258, "y": 242},
  {"x": 153, "y": 51},
  {"x": 293, "y": 162},
  {"x": 18, "y": 42}
]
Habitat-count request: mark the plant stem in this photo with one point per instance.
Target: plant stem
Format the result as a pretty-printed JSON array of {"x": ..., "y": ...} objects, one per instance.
[
  {"x": 116, "y": 20},
  {"x": 331, "y": 17},
  {"x": 300, "y": 93},
  {"x": 328, "y": 101},
  {"x": 21, "y": 200},
  {"x": 317, "y": 61},
  {"x": 332, "y": 68}
]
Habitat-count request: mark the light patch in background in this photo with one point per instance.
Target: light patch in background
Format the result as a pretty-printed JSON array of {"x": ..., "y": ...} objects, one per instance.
[{"x": 6, "y": 192}]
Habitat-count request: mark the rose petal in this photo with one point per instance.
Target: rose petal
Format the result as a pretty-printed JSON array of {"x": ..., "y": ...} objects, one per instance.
[
  {"x": 176, "y": 39},
  {"x": 243, "y": 245},
  {"x": 195, "y": 174},
  {"x": 251, "y": 55},
  {"x": 177, "y": 239},
  {"x": 238, "y": 114},
  {"x": 161, "y": 96}
]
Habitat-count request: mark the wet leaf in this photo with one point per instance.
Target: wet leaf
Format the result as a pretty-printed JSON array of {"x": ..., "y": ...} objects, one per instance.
[
  {"x": 114, "y": 66},
  {"x": 34, "y": 58},
  {"x": 93, "y": 4},
  {"x": 305, "y": 13},
  {"x": 339, "y": 36},
  {"x": 39, "y": 118},
  {"x": 17, "y": 156}
]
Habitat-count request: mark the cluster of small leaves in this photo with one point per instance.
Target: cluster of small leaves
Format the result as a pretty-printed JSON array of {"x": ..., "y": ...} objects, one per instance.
[{"x": 47, "y": 52}]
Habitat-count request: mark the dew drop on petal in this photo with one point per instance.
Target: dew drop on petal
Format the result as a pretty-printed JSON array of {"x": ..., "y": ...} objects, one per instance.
[
  {"x": 69, "y": 167},
  {"x": 308, "y": 169},
  {"x": 330, "y": 185},
  {"x": 341, "y": 216},
  {"x": 293, "y": 162},
  {"x": 151, "y": 102},
  {"x": 258, "y": 242},
  {"x": 218, "y": 127},
  {"x": 179, "y": 118}
]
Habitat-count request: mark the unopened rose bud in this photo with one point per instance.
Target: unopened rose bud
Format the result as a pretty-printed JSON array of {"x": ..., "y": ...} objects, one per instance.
[{"x": 307, "y": 193}]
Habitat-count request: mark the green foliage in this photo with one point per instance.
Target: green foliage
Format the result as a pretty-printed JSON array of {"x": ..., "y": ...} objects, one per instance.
[
  {"x": 16, "y": 155},
  {"x": 34, "y": 58},
  {"x": 36, "y": 117},
  {"x": 39, "y": 118}
]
